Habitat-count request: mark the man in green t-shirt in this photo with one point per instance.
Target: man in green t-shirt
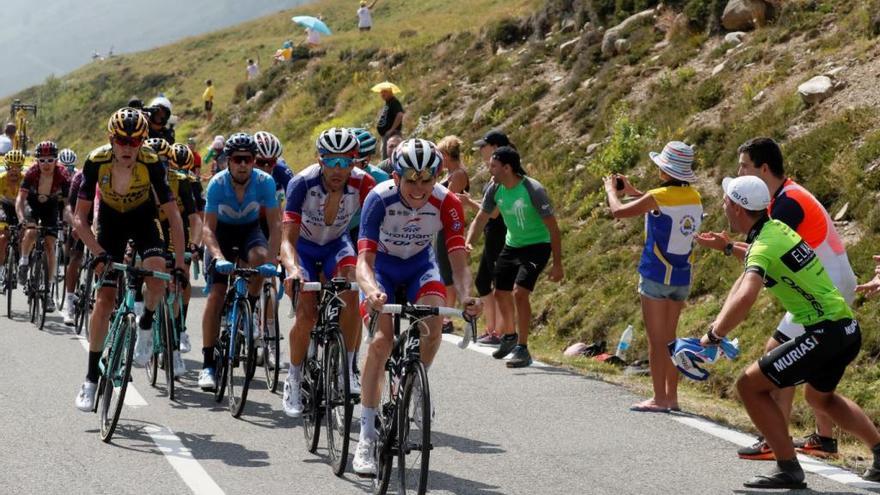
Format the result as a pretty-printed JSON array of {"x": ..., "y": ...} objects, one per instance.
[
  {"x": 781, "y": 261},
  {"x": 532, "y": 236}
]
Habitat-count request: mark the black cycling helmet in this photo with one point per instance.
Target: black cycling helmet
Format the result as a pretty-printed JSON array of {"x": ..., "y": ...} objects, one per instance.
[
  {"x": 128, "y": 122},
  {"x": 240, "y": 141},
  {"x": 46, "y": 148}
]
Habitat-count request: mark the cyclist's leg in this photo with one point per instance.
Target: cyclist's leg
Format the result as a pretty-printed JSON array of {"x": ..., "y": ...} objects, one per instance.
[
  {"x": 73, "y": 265},
  {"x": 340, "y": 260},
  {"x": 28, "y": 238},
  {"x": 426, "y": 286},
  {"x": 256, "y": 249},
  {"x": 150, "y": 245},
  {"x": 4, "y": 240},
  {"x": 378, "y": 351}
]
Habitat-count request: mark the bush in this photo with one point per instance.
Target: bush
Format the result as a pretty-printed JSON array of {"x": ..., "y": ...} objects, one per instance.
[
  {"x": 506, "y": 31},
  {"x": 624, "y": 146},
  {"x": 709, "y": 94}
]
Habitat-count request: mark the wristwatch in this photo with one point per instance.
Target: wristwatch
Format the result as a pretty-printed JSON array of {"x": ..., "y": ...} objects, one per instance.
[
  {"x": 728, "y": 249},
  {"x": 713, "y": 338}
]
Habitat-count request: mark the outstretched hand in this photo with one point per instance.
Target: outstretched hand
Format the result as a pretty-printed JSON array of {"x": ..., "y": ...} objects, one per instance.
[
  {"x": 871, "y": 288},
  {"x": 713, "y": 240}
]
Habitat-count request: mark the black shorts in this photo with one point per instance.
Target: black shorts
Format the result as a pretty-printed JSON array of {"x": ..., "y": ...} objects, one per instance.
[
  {"x": 244, "y": 237},
  {"x": 209, "y": 105},
  {"x": 493, "y": 243},
  {"x": 140, "y": 224},
  {"x": 166, "y": 234},
  {"x": 521, "y": 266},
  {"x": 42, "y": 214},
  {"x": 818, "y": 357}
]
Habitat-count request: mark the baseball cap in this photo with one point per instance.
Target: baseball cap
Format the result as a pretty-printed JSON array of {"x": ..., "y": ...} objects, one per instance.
[
  {"x": 509, "y": 156},
  {"x": 494, "y": 137},
  {"x": 748, "y": 191}
]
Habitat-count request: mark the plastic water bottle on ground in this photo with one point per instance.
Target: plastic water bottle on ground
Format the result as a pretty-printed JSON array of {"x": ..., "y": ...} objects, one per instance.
[{"x": 625, "y": 342}]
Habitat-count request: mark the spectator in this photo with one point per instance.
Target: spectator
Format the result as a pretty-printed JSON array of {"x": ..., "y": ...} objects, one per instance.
[
  {"x": 7, "y": 138},
  {"x": 253, "y": 70},
  {"x": 532, "y": 236},
  {"x": 215, "y": 155},
  {"x": 495, "y": 232},
  {"x": 673, "y": 213},
  {"x": 313, "y": 38},
  {"x": 285, "y": 53},
  {"x": 136, "y": 102},
  {"x": 365, "y": 17},
  {"x": 457, "y": 181},
  {"x": 208, "y": 97},
  {"x": 197, "y": 157},
  {"x": 390, "y": 121},
  {"x": 387, "y": 150}
]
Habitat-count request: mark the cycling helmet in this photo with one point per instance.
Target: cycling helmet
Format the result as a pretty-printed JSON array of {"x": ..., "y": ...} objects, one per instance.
[
  {"x": 336, "y": 140},
  {"x": 14, "y": 158},
  {"x": 367, "y": 142},
  {"x": 240, "y": 141},
  {"x": 267, "y": 144},
  {"x": 128, "y": 122},
  {"x": 46, "y": 148},
  {"x": 181, "y": 157},
  {"x": 160, "y": 146},
  {"x": 162, "y": 102},
  {"x": 418, "y": 155},
  {"x": 67, "y": 157}
]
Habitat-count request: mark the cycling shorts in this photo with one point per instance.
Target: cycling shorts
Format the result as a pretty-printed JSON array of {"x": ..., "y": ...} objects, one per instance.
[
  {"x": 521, "y": 266},
  {"x": 42, "y": 214},
  {"x": 140, "y": 225},
  {"x": 230, "y": 236},
  {"x": 419, "y": 276},
  {"x": 819, "y": 356},
  {"x": 166, "y": 233},
  {"x": 332, "y": 256},
  {"x": 7, "y": 214}
]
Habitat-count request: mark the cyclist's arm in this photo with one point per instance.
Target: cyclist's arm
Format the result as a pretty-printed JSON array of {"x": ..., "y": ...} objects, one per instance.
[
  {"x": 209, "y": 228},
  {"x": 175, "y": 222},
  {"x": 289, "y": 257},
  {"x": 274, "y": 220},
  {"x": 366, "y": 279},
  {"x": 461, "y": 274},
  {"x": 82, "y": 227},
  {"x": 19, "y": 204}
]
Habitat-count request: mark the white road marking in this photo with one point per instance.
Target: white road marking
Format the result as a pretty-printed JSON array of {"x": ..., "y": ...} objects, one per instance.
[
  {"x": 191, "y": 472},
  {"x": 809, "y": 464}
]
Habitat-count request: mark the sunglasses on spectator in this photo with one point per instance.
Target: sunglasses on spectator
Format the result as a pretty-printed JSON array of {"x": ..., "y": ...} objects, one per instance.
[
  {"x": 263, "y": 162},
  {"x": 128, "y": 141},
  {"x": 337, "y": 162},
  {"x": 47, "y": 160},
  {"x": 241, "y": 159},
  {"x": 412, "y": 175}
]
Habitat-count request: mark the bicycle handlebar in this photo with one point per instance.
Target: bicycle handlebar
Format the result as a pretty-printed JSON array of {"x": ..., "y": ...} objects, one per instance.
[
  {"x": 420, "y": 311},
  {"x": 122, "y": 267}
]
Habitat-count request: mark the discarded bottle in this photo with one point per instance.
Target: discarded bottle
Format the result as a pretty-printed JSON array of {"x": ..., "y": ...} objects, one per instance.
[{"x": 625, "y": 341}]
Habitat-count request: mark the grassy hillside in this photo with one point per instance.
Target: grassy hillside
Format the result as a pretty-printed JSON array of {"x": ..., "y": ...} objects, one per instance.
[{"x": 468, "y": 66}]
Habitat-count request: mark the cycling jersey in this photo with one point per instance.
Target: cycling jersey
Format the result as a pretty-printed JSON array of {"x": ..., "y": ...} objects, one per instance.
[
  {"x": 8, "y": 190},
  {"x": 379, "y": 176},
  {"x": 282, "y": 175},
  {"x": 306, "y": 199},
  {"x": 793, "y": 273},
  {"x": 388, "y": 226},
  {"x": 146, "y": 174},
  {"x": 669, "y": 230},
  {"x": 59, "y": 188},
  {"x": 181, "y": 189},
  {"x": 523, "y": 208},
  {"x": 222, "y": 200}
]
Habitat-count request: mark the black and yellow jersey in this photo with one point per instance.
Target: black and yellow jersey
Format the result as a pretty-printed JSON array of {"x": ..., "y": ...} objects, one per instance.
[
  {"x": 8, "y": 192},
  {"x": 181, "y": 188},
  {"x": 147, "y": 175}
]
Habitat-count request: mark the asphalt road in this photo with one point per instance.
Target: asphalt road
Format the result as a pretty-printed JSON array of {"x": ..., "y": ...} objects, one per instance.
[{"x": 497, "y": 431}]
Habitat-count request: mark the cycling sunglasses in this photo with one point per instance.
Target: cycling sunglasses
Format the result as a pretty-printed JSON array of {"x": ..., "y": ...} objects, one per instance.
[
  {"x": 338, "y": 162},
  {"x": 241, "y": 159},
  {"x": 413, "y": 175},
  {"x": 128, "y": 141},
  {"x": 47, "y": 160},
  {"x": 262, "y": 162}
]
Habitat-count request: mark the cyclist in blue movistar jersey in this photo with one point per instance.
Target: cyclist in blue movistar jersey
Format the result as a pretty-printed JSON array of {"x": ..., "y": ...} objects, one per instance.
[{"x": 232, "y": 212}]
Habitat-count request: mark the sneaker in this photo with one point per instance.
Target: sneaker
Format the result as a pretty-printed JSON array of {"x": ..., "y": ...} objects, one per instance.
[
  {"x": 207, "y": 382},
  {"x": 816, "y": 445},
  {"x": 354, "y": 383},
  {"x": 364, "y": 462},
  {"x": 22, "y": 275},
  {"x": 759, "y": 451},
  {"x": 68, "y": 316},
  {"x": 50, "y": 305},
  {"x": 179, "y": 365},
  {"x": 489, "y": 339},
  {"x": 85, "y": 399},
  {"x": 520, "y": 358},
  {"x": 185, "y": 346},
  {"x": 448, "y": 327},
  {"x": 144, "y": 347},
  {"x": 291, "y": 401},
  {"x": 508, "y": 342}
]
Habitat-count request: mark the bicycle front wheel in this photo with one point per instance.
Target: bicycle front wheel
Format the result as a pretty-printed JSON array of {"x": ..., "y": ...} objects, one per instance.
[
  {"x": 270, "y": 341},
  {"x": 311, "y": 399},
  {"x": 10, "y": 277},
  {"x": 386, "y": 433},
  {"x": 337, "y": 403},
  {"x": 221, "y": 351},
  {"x": 84, "y": 298},
  {"x": 244, "y": 354},
  {"x": 43, "y": 289},
  {"x": 116, "y": 374},
  {"x": 414, "y": 430},
  {"x": 166, "y": 327}
]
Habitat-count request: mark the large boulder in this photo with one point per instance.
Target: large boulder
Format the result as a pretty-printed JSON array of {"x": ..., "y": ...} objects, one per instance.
[
  {"x": 742, "y": 15},
  {"x": 816, "y": 89}
]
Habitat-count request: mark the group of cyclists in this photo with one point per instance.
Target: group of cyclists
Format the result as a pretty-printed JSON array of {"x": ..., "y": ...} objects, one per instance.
[{"x": 139, "y": 196}]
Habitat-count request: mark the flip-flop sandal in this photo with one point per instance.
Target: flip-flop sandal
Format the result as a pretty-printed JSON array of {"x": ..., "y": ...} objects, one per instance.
[
  {"x": 643, "y": 407},
  {"x": 775, "y": 481}
]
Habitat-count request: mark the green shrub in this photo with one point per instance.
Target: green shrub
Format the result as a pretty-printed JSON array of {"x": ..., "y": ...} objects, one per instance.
[
  {"x": 506, "y": 31},
  {"x": 625, "y": 145},
  {"x": 709, "y": 94}
]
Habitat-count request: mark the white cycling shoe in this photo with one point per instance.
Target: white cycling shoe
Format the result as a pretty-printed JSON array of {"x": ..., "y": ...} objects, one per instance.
[
  {"x": 179, "y": 365},
  {"x": 144, "y": 346},
  {"x": 364, "y": 462},
  {"x": 185, "y": 346},
  {"x": 207, "y": 382},
  {"x": 85, "y": 399},
  {"x": 291, "y": 401}
]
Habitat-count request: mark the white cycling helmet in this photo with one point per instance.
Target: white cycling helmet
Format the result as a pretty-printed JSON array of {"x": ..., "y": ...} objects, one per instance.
[
  {"x": 267, "y": 145},
  {"x": 336, "y": 140},
  {"x": 161, "y": 101},
  {"x": 419, "y": 155},
  {"x": 67, "y": 157}
]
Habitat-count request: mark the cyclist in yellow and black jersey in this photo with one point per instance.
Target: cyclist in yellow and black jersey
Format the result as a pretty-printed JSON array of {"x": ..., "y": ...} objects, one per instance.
[
  {"x": 126, "y": 174},
  {"x": 10, "y": 183}
]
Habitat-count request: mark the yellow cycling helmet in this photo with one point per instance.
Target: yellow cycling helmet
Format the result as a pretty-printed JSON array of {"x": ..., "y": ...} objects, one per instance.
[
  {"x": 128, "y": 122},
  {"x": 14, "y": 158},
  {"x": 160, "y": 146},
  {"x": 181, "y": 157}
]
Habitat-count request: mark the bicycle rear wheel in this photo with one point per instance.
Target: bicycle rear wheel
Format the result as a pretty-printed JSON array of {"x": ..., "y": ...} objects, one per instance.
[
  {"x": 165, "y": 333},
  {"x": 239, "y": 380},
  {"x": 10, "y": 276},
  {"x": 414, "y": 430},
  {"x": 337, "y": 402},
  {"x": 84, "y": 298},
  {"x": 43, "y": 289},
  {"x": 270, "y": 341},
  {"x": 311, "y": 398},
  {"x": 221, "y": 351},
  {"x": 116, "y": 375},
  {"x": 386, "y": 434},
  {"x": 57, "y": 281}
]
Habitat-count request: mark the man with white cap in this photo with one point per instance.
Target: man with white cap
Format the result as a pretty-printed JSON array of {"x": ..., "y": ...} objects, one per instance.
[{"x": 779, "y": 259}]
